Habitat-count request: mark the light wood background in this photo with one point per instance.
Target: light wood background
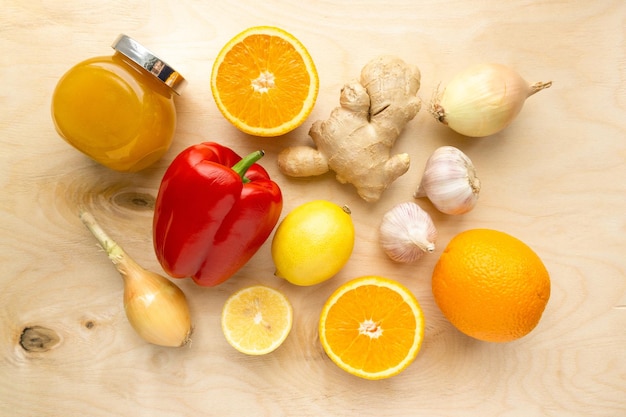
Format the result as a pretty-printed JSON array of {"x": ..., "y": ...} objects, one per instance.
[{"x": 555, "y": 179}]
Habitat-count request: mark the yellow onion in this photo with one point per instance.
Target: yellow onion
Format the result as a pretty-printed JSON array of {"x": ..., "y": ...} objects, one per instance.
[
  {"x": 483, "y": 99},
  {"x": 155, "y": 307}
]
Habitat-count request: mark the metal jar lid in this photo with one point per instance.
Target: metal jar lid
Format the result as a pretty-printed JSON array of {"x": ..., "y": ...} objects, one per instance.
[{"x": 151, "y": 63}]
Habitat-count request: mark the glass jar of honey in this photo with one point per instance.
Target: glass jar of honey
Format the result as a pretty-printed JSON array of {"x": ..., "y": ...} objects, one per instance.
[{"x": 119, "y": 110}]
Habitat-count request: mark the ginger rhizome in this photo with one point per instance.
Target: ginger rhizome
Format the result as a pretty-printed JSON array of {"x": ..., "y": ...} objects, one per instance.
[{"x": 356, "y": 140}]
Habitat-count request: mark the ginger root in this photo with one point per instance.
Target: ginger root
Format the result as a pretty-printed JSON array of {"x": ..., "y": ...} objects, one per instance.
[{"x": 356, "y": 140}]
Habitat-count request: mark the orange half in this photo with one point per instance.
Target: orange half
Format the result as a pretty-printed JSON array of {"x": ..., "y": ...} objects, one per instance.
[
  {"x": 264, "y": 81},
  {"x": 372, "y": 327}
]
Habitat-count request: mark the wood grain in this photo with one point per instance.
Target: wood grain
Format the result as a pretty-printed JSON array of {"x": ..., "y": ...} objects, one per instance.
[{"x": 554, "y": 178}]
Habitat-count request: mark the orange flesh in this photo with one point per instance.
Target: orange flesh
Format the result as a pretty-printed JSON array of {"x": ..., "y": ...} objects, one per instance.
[
  {"x": 263, "y": 81},
  {"x": 388, "y": 328}
]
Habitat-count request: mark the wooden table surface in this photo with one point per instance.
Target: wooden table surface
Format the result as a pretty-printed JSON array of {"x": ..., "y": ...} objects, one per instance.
[{"x": 556, "y": 178}]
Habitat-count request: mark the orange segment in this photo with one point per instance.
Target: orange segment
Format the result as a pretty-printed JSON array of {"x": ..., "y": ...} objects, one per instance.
[
  {"x": 264, "y": 81},
  {"x": 372, "y": 327}
]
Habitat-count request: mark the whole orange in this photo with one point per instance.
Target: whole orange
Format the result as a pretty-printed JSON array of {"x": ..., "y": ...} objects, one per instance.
[{"x": 490, "y": 285}]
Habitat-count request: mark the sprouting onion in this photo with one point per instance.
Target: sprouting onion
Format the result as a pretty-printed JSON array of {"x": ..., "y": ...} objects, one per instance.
[{"x": 155, "y": 307}]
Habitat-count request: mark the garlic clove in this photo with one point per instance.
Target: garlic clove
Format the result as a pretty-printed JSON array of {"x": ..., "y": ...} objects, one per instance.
[
  {"x": 450, "y": 181},
  {"x": 483, "y": 99},
  {"x": 407, "y": 232}
]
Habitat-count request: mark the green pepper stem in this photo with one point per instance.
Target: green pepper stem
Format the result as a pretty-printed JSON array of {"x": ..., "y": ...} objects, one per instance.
[{"x": 245, "y": 163}]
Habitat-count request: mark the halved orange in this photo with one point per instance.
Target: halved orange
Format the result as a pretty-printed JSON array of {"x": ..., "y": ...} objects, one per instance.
[
  {"x": 264, "y": 81},
  {"x": 372, "y": 327}
]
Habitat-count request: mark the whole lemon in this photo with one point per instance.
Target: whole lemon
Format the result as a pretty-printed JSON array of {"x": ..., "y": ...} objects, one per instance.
[
  {"x": 313, "y": 242},
  {"x": 490, "y": 285}
]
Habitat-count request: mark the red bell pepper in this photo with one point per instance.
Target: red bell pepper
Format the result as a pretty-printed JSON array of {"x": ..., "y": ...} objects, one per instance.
[{"x": 213, "y": 211}]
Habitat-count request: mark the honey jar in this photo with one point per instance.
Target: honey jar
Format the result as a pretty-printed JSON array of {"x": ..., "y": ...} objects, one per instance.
[{"x": 119, "y": 110}]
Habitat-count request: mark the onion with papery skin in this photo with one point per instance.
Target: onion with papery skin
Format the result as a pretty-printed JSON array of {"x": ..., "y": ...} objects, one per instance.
[
  {"x": 407, "y": 232},
  {"x": 483, "y": 99},
  {"x": 156, "y": 308}
]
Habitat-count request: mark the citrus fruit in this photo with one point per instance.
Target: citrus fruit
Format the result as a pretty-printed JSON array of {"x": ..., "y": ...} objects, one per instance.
[
  {"x": 372, "y": 327},
  {"x": 490, "y": 285},
  {"x": 264, "y": 81},
  {"x": 313, "y": 242},
  {"x": 256, "y": 320}
]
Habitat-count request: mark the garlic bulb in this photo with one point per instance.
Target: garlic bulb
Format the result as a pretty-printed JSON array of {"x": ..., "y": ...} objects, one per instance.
[
  {"x": 449, "y": 181},
  {"x": 407, "y": 232},
  {"x": 483, "y": 99}
]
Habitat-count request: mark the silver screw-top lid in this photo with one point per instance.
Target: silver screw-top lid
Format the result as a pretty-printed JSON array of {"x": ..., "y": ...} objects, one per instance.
[{"x": 151, "y": 63}]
